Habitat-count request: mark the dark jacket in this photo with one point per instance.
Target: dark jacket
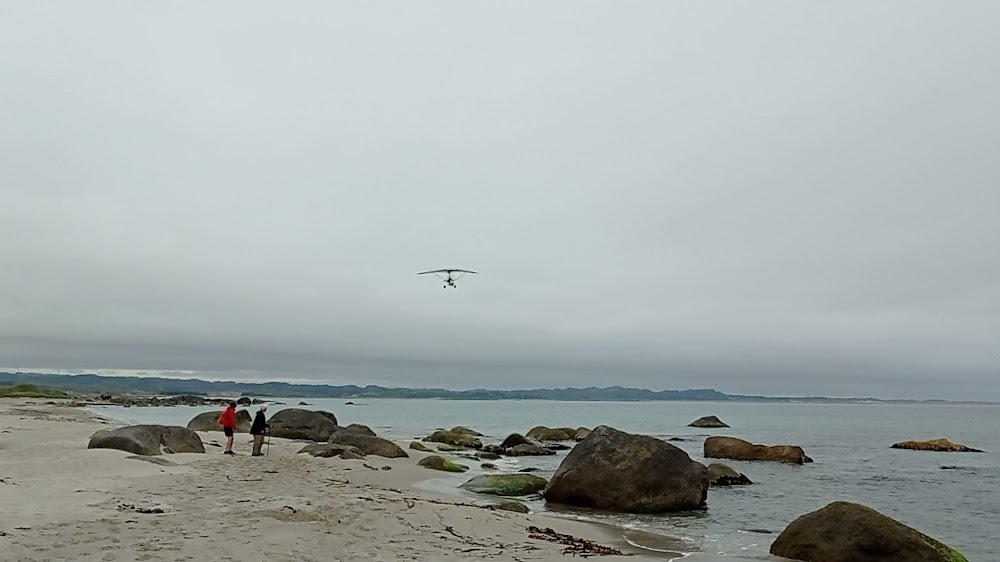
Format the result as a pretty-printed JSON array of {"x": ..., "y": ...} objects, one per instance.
[{"x": 258, "y": 424}]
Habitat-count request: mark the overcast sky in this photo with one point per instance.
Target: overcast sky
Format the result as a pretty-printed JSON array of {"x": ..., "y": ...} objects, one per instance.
[{"x": 770, "y": 197}]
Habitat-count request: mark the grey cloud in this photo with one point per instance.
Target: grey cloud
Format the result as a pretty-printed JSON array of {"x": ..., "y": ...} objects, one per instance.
[{"x": 779, "y": 198}]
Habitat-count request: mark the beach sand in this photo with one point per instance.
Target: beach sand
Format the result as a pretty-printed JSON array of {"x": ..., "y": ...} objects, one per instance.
[{"x": 61, "y": 501}]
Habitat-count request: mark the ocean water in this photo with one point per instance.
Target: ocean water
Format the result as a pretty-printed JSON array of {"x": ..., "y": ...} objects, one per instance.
[{"x": 849, "y": 443}]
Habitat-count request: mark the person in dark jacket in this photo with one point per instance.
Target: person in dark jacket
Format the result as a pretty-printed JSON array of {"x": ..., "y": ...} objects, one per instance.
[
  {"x": 258, "y": 429},
  {"x": 228, "y": 422}
]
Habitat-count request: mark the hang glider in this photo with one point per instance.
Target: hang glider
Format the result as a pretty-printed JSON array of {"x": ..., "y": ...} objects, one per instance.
[{"x": 448, "y": 276}]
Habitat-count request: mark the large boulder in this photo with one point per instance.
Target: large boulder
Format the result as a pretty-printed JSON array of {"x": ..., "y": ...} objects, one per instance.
[
  {"x": 849, "y": 532},
  {"x": 436, "y": 462},
  {"x": 360, "y": 428},
  {"x": 723, "y": 475},
  {"x": 738, "y": 449},
  {"x": 455, "y": 439},
  {"x": 708, "y": 421},
  {"x": 148, "y": 440},
  {"x": 617, "y": 471},
  {"x": 935, "y": 445},
  {"x": 581, "y": 434},
  {"x": 368, "y": 444},
  {"x": 209, "y": 421},
  {"x": 296, "y": 423},
  {"x": 506, "y": 484},
  {"x": 330, "y": 450},
  {"x": 543, "y": 433}
]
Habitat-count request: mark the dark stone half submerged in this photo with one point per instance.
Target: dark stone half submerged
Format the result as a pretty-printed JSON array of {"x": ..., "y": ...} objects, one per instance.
[
  {"x": 708, "y": 421},
  {"x": 618, "y": 471},
  {"x": 738, "y": 449},
  {"x": 850, "y": 532}
]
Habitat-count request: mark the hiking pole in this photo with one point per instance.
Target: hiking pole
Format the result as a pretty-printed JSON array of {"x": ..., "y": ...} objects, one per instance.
[{"x": 267, "y": 433}]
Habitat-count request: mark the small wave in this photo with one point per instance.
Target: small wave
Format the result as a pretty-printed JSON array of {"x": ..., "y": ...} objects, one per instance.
[{"x": 673, "y": 554}]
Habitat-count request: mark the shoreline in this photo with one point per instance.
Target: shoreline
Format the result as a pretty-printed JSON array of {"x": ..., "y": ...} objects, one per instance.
[{"x": 65, "y": 501}]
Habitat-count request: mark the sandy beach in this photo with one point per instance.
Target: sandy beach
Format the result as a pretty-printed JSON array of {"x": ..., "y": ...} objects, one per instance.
[{"x": 62, "y": 501}]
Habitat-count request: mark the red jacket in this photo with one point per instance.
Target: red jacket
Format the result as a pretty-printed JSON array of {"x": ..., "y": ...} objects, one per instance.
[{"x": 228, "y": 418}]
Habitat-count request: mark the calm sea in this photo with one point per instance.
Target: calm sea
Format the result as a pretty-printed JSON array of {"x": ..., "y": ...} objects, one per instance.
[{"x": 849, "y": 443}]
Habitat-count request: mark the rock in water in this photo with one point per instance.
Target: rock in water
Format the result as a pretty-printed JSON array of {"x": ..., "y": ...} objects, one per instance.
[
  {"x": 369, "y": 445},
  {"x": 543, "y": 433},
  {"x": 722, "y": 475},
  {"x": 511, "y": 505},
  {"x": 707, "y": 421},
  {"x": 440, "y": 463},
  {"x": 506, "y": 484},
  {"x": 360, "y": 428},
  {"x": 850, "y": 532},
  {"x": 330, "y": 450},
  {"x": 581, "y": 434},
  {"x": 244, "y": 401},
  {"x": 513, "y": 440},
  {"x": 935, "y": 445},
  {"x": 738, "y": 449},
  {"x": 466, "y": 431},
  {"x": 209, "y": 421},
  {"x": 454, "y": 439},
  {"x": 148, "y": 440},
  {"x": 296, "y": 423},
  {"x": 418, "y": 446},
  {"x": 529, "y": 450},
  {"x": 618, "y": 471}
]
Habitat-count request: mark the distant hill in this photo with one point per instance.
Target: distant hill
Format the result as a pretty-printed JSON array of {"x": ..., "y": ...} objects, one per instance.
[
  {"x": 89, "y": 383},
  {"x": 163, "y": 386}
]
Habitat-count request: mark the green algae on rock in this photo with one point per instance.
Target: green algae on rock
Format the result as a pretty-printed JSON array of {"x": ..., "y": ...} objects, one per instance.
[{"x": 518, "y": 484}]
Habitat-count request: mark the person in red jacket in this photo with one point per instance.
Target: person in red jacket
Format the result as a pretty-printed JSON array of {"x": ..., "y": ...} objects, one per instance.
[{"x": 228, "y": 422}]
